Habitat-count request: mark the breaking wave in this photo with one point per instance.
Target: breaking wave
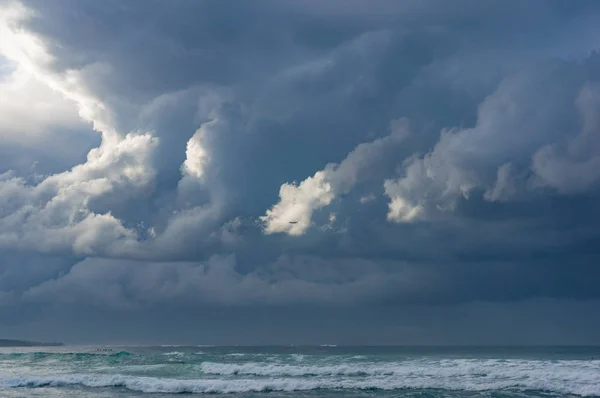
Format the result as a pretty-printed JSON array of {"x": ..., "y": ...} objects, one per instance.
[{"x": 563, "y": 377}]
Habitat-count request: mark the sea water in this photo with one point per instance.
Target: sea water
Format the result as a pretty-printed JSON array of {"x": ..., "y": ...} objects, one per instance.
[{"x": 324, "y": 371}]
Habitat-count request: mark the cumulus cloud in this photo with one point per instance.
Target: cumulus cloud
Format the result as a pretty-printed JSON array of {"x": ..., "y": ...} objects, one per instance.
[
  {"x": 512, "y": 146},
  {"x": 293, "y": 213},
  {"x": 195, "y": 156},
  {"x": 54, "y": 215}
]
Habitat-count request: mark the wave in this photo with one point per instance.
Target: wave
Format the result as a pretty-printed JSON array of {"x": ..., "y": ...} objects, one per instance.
[
  {"x": 239, "y": 374},
  {"x": 576, "y": 384},
  {"x": 263, "y": 369},
  {"x": 414, "y": 368},
  {"x": 181, "y": 354},
  {"x": 133, "y": 368}
]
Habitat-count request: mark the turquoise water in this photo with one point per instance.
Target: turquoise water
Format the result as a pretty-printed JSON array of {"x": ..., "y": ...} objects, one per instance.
[{"x": 326, "y": 371}]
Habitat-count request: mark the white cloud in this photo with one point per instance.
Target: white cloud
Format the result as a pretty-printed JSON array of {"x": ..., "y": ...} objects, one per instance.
[
  {"x": 431, "y": 180},
  {"x": 515, "y": 125},
  {"x": 196, "y": 156},
  {"x": 54, "y": 215},
  {"x": 400, "y": 210},
  {"x": 120, "y": 170},
  {"x": 297, "y": 203},
  {"x": 30, "y": 54}
]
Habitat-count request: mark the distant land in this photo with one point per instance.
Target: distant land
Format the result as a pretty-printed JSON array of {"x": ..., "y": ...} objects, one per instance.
[{"x": 23, "y": 343}]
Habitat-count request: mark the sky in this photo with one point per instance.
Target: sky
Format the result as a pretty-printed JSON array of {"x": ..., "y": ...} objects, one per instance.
[{"x": 286, "y": 172}]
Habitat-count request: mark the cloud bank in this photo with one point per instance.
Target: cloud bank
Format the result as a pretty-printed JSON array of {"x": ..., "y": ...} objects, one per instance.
[{"x": 272, "y": 156}]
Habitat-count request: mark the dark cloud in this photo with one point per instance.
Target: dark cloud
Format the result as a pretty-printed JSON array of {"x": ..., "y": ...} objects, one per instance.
[
  {"x": 433, "y": 156},
  {"x": 536, "y": 322}
]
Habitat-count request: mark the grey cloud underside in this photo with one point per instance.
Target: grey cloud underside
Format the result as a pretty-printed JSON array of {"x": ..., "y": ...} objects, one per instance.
[
  {"x": 541, "y": 321},
  {"x": 430, "y": 154}
]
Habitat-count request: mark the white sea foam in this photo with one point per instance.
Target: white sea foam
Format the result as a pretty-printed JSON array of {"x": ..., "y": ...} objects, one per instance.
[
  {"x": 575, "y": 377},
  {"x": 132, "y": 368},
  {"x": 269, "y": 357},
  {"x": 174, "y": 353},
  {"x": 269, "y": 369},
  {"x": 584, "y": 385},
  {"x": 564, "y": 377}
]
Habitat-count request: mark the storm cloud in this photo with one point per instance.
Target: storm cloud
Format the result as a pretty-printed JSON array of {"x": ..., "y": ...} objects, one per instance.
[{"x": 405, "y": 159}]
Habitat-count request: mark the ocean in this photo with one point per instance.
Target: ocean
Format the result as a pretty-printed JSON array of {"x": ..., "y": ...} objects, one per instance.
[{"x": 324, "y": 371}]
